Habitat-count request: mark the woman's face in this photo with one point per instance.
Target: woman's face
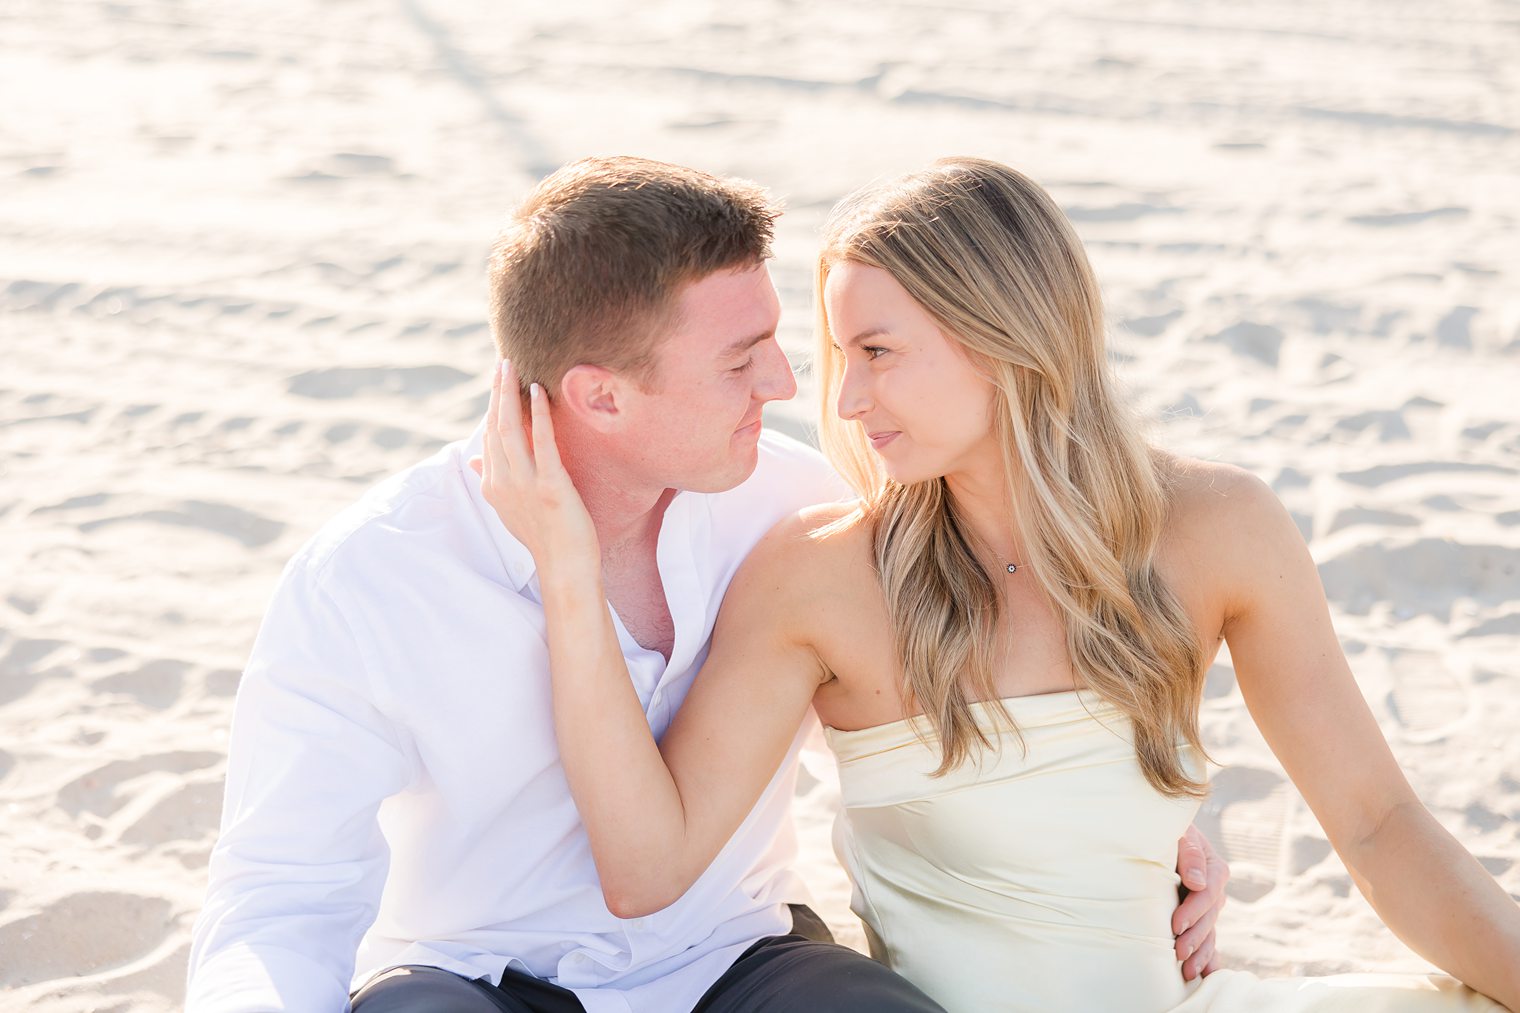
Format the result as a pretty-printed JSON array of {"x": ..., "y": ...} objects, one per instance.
[{"x": 923, "y": 407}]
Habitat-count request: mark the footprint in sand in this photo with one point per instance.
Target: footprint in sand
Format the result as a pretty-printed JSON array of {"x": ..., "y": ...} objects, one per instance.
[
  {"x": 189, "y": 812},
  {"x": 413, "y": 382},
  {"x": 1394, "y": 219},
  {"x": 1246, "y": 816},
  {"x": 25, "y": 653},
  {"x": 1383, "y": 474},
  {"x": 1153, "y": 325},
  {"x": 22, "y": 667},
  {"x": 1505, "y": 625},
  {"x": 222, "y": 681},
  {"x": 103, "y": 791},
  {"x": 23, "y": 603},
  {"x": 1428, "y": 702},
  {"x": 1261, "y": 342},
  {"x": 94, "y": 499},
  {"x": 1483, "y": 819},
  {"x": 1381, "y": 425},
  {"x": 340, "y": 432},
  {"x": 1307, "y": 851},
  {"x": 251, "y": 529},
  {"x": 163, "y": 976},
  {"x": 157, "y": 684},
  {"x": 1495, "y": 865},
  {"x": 83, "y": 933},
  {"x": 1353, "y": 515},
  {"x": 1426, "y": 575},
  {"x": 1218, "y": 682}
]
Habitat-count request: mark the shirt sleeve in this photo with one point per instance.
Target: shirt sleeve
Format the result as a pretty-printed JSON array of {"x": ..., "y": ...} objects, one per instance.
[
  {"x": 296, "y": 875},
  {"x": 798, "y": 475}
]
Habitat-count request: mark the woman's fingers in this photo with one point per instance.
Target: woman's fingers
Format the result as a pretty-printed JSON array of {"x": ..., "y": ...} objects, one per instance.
[
  {"x": 1200, "y": 963},
  {"x": 1199, "y": 937},
  {"x": 1192, "y": 860},
  {"x": 545, "y": 450},
  {"x": 509, "y": 423}
]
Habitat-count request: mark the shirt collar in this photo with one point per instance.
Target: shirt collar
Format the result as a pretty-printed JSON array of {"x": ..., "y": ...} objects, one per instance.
[{"x": 515, "y": 557}]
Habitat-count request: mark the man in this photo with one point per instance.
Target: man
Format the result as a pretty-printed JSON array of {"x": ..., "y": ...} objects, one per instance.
[{"x": 396, "y": 819}]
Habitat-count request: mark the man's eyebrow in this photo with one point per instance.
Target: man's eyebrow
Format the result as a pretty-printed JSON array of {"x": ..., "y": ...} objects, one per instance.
[{"x": 745, "y": 344}]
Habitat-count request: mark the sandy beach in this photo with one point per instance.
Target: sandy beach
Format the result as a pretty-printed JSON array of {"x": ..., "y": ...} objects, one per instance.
[{"x": 242, "y": 278}]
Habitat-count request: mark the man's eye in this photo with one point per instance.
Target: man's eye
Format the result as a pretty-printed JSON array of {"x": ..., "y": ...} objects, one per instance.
[{"x": 745, "y": 365}]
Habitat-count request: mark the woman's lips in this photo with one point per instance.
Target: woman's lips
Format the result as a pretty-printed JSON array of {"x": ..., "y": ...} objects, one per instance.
[{"x": 879, "y": 440}]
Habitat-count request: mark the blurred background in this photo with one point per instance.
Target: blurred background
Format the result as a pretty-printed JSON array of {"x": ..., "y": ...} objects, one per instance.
[{"x": 242, "y": 277}]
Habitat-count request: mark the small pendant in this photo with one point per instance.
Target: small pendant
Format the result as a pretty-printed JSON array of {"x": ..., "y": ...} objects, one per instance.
[{"x": 1013, "y": 567}]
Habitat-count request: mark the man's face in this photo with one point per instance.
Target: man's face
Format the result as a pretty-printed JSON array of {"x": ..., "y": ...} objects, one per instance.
[{"x": 697, "y": 428}]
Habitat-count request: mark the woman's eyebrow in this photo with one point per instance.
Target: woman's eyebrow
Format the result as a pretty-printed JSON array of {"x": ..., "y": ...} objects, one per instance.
[{"x": 869, "y": 332}]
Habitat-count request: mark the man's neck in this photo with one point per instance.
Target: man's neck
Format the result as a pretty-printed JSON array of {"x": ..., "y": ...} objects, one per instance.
[
  {"x": 626, "y": 513},
  {"x": 627, "y": 517}
]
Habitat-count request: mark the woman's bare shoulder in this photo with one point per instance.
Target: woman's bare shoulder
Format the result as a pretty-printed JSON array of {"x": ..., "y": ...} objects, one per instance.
[
  {"x": 1207, "y": 494},
  {"x": 804, "y": 566},
  {"x": 815, "y": 537},
  {"x": 806, "y": 559},
  {"x": 1223, "y": 522}
]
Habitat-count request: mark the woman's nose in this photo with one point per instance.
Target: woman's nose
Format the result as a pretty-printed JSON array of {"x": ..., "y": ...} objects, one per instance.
[{"x": 854, "y": 399}]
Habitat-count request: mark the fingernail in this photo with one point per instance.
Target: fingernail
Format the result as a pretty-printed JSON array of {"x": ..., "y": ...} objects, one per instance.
[
  {"x": 505, "y": 365},
  {"x": 1196, "y": 879},
  {"x": 535, "y": 390}
]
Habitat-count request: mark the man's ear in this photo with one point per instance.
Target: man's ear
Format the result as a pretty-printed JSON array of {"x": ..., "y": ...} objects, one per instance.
[{"x": 594, "y": 395}]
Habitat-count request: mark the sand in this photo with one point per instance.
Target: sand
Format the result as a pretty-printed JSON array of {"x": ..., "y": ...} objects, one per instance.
[{"x": 241, "y": 278}]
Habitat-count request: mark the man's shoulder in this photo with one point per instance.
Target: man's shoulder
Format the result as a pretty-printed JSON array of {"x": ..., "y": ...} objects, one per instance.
[
  {"x": 778, "y": 446},
  {"x": 788, "y": 465},
  {"x": 410, "y": 515}
]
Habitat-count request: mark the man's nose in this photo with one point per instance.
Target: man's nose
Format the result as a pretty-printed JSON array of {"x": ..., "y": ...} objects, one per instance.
[{"x": 777, "y": 383}]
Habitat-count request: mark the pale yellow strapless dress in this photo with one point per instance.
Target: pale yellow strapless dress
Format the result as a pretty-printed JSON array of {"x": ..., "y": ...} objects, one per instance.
[{"x": 1045, "y": 880}]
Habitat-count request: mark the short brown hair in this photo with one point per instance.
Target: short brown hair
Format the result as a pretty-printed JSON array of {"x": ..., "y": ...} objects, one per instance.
[{"x": 587, "y": 268}]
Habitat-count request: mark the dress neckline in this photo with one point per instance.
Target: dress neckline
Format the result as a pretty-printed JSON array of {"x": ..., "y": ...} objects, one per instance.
[{"x": 1019, "y": 702}]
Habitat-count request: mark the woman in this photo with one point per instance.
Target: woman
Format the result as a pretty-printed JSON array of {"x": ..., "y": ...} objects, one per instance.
[{"x": 1006, "y": 639}]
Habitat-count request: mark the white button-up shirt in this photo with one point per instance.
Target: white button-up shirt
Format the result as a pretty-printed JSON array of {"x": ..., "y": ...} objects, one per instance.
[{"x": 394, "y": 791}]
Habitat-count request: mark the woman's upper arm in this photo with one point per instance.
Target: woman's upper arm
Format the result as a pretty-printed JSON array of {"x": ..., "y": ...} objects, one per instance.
[
  {"x": 1290, "y": 666},
  {"x": 747, "y": 703}
]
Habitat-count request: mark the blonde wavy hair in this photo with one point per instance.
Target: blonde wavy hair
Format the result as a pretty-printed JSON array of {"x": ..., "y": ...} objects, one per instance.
[{"x": 987, "y": 253}]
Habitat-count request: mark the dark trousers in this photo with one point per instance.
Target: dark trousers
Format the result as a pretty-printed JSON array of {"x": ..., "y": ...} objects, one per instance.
[{"x": 804, "y": 972}]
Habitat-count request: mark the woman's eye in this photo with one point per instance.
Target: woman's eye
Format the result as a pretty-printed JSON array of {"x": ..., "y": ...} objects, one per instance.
[{"x": 872, "y": 351}]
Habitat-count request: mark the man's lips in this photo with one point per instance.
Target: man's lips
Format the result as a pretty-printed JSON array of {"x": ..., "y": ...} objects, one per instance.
[{"x": 750, "y": 429}]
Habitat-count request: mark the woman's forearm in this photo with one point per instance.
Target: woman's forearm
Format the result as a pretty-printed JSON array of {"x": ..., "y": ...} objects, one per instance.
[
  {"x": 1436, "y": 897},
  {"x": 627, "y": 798}
]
